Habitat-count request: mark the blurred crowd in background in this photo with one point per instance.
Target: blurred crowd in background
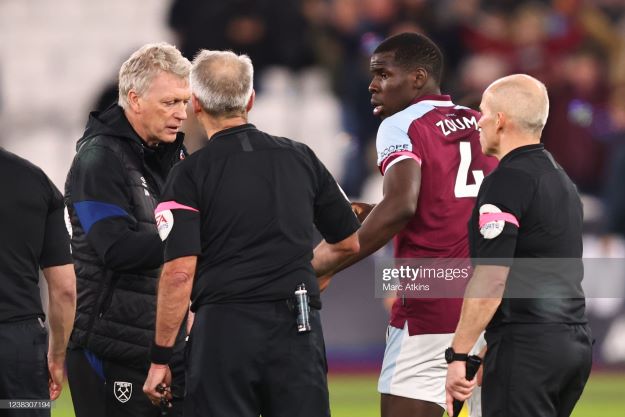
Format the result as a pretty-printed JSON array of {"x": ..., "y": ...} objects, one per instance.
[
  {"x": 312, "y": 75},
  {"x": 576, "y": 47}
]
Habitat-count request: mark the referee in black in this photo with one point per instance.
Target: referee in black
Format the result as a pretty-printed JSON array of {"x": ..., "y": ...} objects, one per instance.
[
  {"x": 526, "y": 239},
  {"x": 238, "y": 215},
  {"x": 32, "y": 236}
]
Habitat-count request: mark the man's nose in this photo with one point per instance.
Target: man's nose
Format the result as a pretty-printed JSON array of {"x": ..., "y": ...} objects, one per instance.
[
  {"x": 373, "y": 87},
  {"x": 181, "y": 112}
]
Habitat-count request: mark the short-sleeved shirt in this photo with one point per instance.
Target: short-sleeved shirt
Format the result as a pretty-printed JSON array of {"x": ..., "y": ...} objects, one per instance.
[
  {"x": 32, "y": 236},
  {"x": 246, "y": 205},
  {"x": 529, "y": 216},
  {"x": 443, "y": 139}
]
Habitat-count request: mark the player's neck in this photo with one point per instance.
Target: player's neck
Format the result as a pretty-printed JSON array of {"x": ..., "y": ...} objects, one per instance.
[{"x": 429, "y": 91}]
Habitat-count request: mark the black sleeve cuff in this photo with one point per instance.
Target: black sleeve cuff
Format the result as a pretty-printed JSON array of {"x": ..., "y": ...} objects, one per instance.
[{"x": 161, "y": 355}]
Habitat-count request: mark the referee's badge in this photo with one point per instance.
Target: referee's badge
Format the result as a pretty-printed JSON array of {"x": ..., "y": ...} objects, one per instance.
[
  {"x": 490, "y": 226},
  {"x": 164, "y": 223},
  {"x": 493, "y": 220},
  {"x": 122, "y": 391}
]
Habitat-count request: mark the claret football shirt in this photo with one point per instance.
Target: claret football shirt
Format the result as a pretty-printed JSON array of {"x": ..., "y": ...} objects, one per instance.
[{"x": 443, "y": 139}]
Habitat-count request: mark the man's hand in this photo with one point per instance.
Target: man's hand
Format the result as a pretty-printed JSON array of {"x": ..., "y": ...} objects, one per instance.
[
  {"x": 324, "y": 281},
  {"x": 159, "y": 375},
  {"x": 362, "y": 210},
  {"x": 55, "y": 376},
  {"x": 457, "y": 387}
]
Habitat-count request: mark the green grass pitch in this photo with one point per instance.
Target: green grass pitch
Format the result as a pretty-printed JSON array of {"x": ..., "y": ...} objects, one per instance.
[{"x": 356, "y": 396}]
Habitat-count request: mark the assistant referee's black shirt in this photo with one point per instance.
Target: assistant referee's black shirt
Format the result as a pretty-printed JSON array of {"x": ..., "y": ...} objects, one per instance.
[
  {"x": 32, "y": 236},
  {"x": 245, "y": 205},
  {"x": 528, "y": 216}
]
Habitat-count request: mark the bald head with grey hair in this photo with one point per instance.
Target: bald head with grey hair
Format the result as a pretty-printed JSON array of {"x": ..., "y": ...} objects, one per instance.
[
  {"x": 523, "y": 99},
  {"x": 222, "y": 82},
  {"x": 145, "y": 63}
]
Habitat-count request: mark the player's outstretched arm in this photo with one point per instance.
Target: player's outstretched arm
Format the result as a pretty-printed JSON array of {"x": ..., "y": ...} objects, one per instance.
[
  {"x": 401, "y": 191},
  {"x": 362, "y": 210}
]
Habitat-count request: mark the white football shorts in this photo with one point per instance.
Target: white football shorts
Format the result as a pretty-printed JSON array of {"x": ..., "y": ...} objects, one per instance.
[{"x": 414, "y": 367}]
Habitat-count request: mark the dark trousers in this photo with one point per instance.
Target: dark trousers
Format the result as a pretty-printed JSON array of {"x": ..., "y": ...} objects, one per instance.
[
  {"x": 248, "y": 359},
  {"x": 535, "y": 370},
  {"x": 24, "y": 365},
  {"x": 111, "y": 389}
]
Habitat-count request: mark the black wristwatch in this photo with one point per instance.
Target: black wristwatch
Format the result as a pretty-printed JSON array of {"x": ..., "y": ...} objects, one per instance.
[{"x": 451, "y": 356}]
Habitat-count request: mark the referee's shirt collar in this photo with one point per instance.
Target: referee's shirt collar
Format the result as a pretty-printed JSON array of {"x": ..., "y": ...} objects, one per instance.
[
  {"x": 522, "y": 150},
  {"x": 231, "y": 130}
]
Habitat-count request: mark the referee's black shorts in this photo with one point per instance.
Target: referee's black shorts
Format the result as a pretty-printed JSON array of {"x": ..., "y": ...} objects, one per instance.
[
  {"x": 248, "y": 359},
  {"x": 535, "y": 370},
  {"x": 24, "y": 365}
]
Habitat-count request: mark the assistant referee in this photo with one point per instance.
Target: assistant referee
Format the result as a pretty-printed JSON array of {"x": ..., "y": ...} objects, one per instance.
[
  {"x": 32, "y": 236},
  {"x": 525, "y": 238},
  {"x": 239, "y": 215}
]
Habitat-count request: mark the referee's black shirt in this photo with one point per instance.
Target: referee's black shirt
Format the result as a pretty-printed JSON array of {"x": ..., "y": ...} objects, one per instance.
[
  {"x": 246, "y": 204},
  {"x": 32, "y": 236},
  {"x": 528, "y": 216}
]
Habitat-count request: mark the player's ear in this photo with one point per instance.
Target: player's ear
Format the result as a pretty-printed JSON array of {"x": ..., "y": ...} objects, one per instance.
[{"x": 420, "y": 77}]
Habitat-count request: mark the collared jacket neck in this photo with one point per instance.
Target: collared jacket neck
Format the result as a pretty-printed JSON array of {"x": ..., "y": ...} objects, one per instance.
[{"x": 113, "y": 122}]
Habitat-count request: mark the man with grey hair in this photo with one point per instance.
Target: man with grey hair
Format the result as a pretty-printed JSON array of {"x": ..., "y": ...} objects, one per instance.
[
  {"x": 112, "y": 188},
  {"x": 539, "y": 347},
  {"x": 241, "y": 212}
]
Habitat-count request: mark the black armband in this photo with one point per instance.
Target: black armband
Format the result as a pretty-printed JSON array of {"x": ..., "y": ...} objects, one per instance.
[{"x": 160, "y": 355}]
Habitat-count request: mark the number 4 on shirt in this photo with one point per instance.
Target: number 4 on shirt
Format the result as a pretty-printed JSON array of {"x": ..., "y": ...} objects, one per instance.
[{"x": 462, "y": 189}]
